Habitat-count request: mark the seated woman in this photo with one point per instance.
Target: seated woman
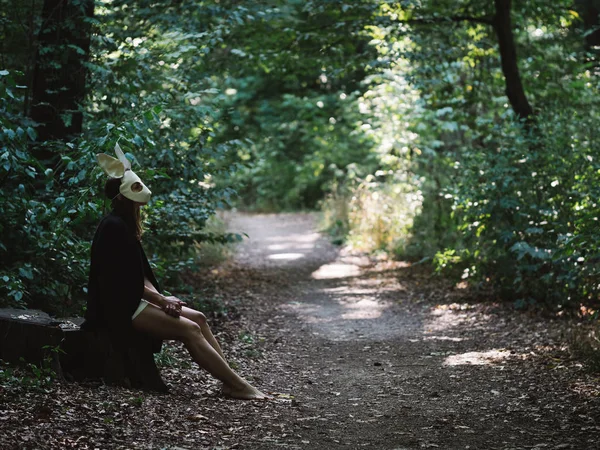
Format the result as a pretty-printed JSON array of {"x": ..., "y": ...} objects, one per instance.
[{"x": 123, "y": 294}]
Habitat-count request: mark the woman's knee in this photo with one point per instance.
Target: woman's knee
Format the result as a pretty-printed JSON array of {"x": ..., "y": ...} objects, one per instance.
[
  {"x": 191, "y": 331},
  {"x": 199, "y": 318}
]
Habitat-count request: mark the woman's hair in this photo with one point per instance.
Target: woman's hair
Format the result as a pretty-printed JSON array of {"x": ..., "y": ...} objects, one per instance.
[{"x": 124, "y": 207}]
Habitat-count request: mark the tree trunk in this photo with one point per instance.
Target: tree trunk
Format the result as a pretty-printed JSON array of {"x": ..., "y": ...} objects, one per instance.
[
  {"x": 589, "y": 10},
  {"x": 59, "y": 74},
  {"x": 508, "y": 57}
]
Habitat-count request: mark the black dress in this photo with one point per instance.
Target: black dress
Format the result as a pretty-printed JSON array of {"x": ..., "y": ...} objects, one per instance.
[{"x": 116, "y": 281}]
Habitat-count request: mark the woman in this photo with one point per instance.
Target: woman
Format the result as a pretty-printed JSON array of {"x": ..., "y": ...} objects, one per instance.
[{"x": 123, "y": 294}]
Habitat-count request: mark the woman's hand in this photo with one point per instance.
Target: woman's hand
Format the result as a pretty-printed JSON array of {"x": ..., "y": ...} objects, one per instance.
[{"x": 172, "y": 306}]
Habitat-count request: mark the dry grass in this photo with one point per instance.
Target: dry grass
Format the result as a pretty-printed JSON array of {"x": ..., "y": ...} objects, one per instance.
[
  {"x": 211, "y": 253},
  {"x": 376, "y": 216}
]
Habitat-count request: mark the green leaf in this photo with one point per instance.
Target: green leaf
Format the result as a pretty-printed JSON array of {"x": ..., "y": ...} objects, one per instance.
[
  {"x": 9, "y": 133},
  {"x": 137, "y": 140},
  {"x": 26, "y": 272},
  {"x": 31, "y": 133}
]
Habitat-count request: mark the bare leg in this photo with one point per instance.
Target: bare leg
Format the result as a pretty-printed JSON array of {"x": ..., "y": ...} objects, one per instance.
[
  {"x": 200, "y": 319},
  {"x": 155, "y": 321}
]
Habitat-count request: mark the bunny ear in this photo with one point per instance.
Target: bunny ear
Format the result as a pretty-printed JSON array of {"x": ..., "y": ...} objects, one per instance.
[
  {"x": 122, "y": 158},
  {"x": 113, "y": 167}
]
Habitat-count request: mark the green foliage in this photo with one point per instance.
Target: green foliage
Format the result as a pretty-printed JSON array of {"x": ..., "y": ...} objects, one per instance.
[
  {"x": 249, "y": 345},
  {"x": 519, "y": 199},
  {"x": 528, "y": 209},
  {"x": 42, "y": 250},
  {"x": 292, "y": 88},
  {"x": 167, "y": 357},
  {"x": 31, "y": 375},
  {"x": 153, "y": 94},
  {"x": 392, "y": 117},
  {"x": 501, "y": 203}
]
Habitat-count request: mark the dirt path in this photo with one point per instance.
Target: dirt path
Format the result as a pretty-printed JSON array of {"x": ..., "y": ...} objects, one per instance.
[
  {"x": 384, "y": 356},
  {"x": 359, "y": 355}
]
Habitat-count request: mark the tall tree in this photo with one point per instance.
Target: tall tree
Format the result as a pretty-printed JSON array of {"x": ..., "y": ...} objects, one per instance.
[
  {"x": 508, "y": 56},
  {"x": 59, "y": 73}
]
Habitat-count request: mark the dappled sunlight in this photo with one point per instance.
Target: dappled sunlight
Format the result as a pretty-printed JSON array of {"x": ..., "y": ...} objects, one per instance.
[
  {"x": 443, "y": 320},
  {"x": 274, "y": 247},
  {"x": 348, "y": 289},
  {"x": 587, "y": 388},
  {"x": 286, "y": 256},
  {"x": 363, "y": 309},
  {"x": 348, "y": 309},
  {"x": 455, "y": 307},
  {"x": 335, "y": 270},
  {"x": 297, "y": 237},
  {"x": 477, "y": 358},
  {"x": 380, "y": 283},
  {"x": 443, "y": 338},
  {"x": 309, "y": 312},
  {"x": 446, "y": 317},
  {"x": 341, "y": 309},
  {"x": 275, "y": 238},
  {"x": 358, "y": 260}
]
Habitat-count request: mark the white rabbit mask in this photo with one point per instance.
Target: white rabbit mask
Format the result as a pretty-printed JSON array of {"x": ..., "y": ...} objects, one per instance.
[{"x": 121, "y": 168}]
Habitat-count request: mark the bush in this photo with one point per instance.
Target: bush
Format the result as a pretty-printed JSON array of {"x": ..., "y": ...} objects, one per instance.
[{"x": 528, "y": 209}]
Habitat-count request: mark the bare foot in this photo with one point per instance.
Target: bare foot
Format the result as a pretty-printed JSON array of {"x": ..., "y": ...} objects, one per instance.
[{"x": 246, "y": 393}]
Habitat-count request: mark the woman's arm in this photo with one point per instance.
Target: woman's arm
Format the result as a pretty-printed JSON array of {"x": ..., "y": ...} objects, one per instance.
[
  {"x": 152, "y": 295},
  {"x": 170, "y": 305}
]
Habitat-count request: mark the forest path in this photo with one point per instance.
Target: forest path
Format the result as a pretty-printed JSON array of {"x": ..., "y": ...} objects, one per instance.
[{"x": 386, "y": 356}]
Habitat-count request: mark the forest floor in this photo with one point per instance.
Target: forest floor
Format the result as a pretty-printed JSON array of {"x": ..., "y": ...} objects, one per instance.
[{"x": 357, "y": 354}]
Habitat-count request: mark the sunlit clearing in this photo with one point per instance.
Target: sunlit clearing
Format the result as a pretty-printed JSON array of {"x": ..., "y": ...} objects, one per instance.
[
  {"x": 477, "y": 358},
  {"x": 330, "y": 271},
  {"x": 363, "y": 309},
  {"x": 288, "y": 256}
]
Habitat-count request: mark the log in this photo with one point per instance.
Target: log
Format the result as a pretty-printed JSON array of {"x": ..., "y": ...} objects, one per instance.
[
  {"x": 85, "y": 355},
  {"x": 24, "y": 333}
]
